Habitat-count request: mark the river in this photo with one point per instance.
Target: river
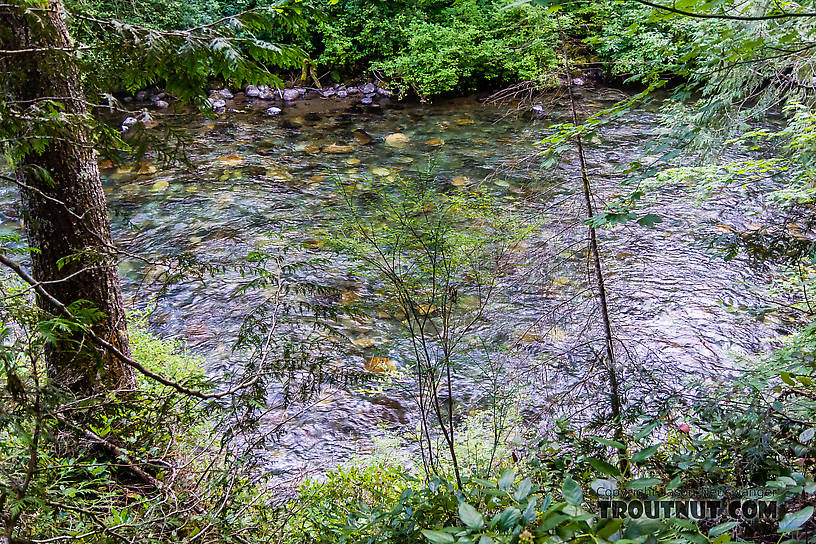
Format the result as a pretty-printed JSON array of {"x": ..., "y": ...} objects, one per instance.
[{"x": 678, "y": 307}]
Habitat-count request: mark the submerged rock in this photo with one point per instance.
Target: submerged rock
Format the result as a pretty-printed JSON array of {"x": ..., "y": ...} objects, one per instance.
[
  {"x": 233, "y": 159},
  {"x": 363, "y": 342},
  {"x": 380, "y": 365},
  {"x": 362, "y": 137},
  {"x": 146, "y": 169},
  {"x": 397, "y": 139},
  {"x": 338, "y": 148},
  {"x": 273, "y": 111},
  {"x": 366, "y": 100}
]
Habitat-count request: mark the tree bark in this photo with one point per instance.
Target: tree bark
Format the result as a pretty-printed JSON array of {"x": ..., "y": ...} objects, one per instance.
[{"x": 65, "y": 213}]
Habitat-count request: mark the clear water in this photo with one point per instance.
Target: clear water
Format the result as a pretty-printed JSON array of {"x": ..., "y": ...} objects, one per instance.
[{"x": 677, "y": 307}]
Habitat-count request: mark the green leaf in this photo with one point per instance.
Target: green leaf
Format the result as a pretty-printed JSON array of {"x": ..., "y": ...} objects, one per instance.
[
  {"x": 649, "y": 220},
  {"x": 717, "y": 530},
  {"x": 572, "y": 492},
  {"x": 506, "y": 479},
  {"x": 610, "y": 528},
  {"x": 786, "y": 377},
  {"x": 530, "y": 513},
  {"x": 607, "y": 442},
  {"x": 675, "y": 482},
  {"x": 645, "y": 453},
  {"x": 602, "y": 466},
  {"x": 646, "y": 430},
  {"x": 438, "y": 537},
  {"x": 794, "y": 520},
  {"x": 470, "y": 516},
  {"x": 507, "y": 519},
  {"x": 523, "y": 490},
  {"x": 553, "y": 521}
]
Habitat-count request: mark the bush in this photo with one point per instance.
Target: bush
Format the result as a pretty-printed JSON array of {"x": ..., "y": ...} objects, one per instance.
[
  {"x": 143, "y": 465},
  {"x": 470, "y": 46}
]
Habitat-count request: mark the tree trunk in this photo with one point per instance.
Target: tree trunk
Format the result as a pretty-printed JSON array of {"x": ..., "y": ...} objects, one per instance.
[{"x": 65, "y": 213}]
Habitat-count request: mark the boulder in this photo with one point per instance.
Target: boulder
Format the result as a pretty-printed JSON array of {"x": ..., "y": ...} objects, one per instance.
[
  {"x": 128, "y": 122},
  {"x": 329, "y": 93},
  {"x": 273, "y": 111},
  {"x": 366, "y": 100},
  {"x": 141, "y": 96},
  {"x": 291, "y": 94},
  {"x": 368, "y": 88},
  {"x": 267, "y": 94},
  {"x": 538, "y": 110},
  {"x": 217, "y": 103},
  {"x": 352, "y": 90},
  {"x": 578, "y": 81},
  {"x": 162, "y": 104},
  {"x": 226, "y": 94},
  {"x": 383, "y": 92},
  {"x": 342, "y": 94},
  {"x": 252, "y": 91}
]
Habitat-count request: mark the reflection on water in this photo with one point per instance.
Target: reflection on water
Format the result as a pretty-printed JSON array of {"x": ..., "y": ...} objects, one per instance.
[{"x": 672, "y": 301}]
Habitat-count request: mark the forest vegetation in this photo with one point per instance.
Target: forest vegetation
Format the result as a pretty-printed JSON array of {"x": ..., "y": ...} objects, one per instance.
[{"x": 113, "y": 430}]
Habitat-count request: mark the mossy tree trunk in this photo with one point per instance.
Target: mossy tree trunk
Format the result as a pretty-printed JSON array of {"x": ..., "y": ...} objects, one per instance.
[{"x": 65, "y": 213}]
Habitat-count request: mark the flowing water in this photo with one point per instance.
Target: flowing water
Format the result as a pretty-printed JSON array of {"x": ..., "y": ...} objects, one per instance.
[{"x": 677, "y": 307}]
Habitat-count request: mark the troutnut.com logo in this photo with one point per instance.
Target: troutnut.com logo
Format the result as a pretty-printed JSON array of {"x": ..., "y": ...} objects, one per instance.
[
  {"x": 747, "y": 509},
  {"x": 754, "y": 504}
]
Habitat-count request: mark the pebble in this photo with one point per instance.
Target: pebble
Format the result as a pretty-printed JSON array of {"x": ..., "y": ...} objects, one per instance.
[{"x": 273, "y": 111}]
